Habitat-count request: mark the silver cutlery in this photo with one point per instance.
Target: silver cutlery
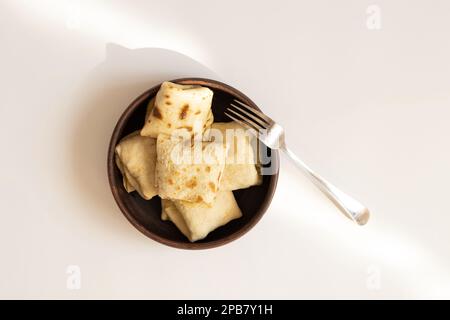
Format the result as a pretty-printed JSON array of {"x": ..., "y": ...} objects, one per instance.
[{"x": 273, "y": 136}]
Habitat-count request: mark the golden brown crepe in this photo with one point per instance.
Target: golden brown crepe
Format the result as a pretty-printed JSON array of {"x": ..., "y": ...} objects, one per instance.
[
  {"x": 196, "y": 221},
  {"x": 178, "y": 106},
  {"x": 170, "y": 212},
  {"x": 188, "y": 178},
  {"x": 240, "y": 169},
  {"x": 193, "y": 178},
  {"x": 164, "y": 216},
  {"x": 126, "y": 184},
  {"x": 136, "y": 159}
]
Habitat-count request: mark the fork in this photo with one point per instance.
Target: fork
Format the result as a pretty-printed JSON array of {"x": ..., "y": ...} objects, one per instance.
[{"x": 273, "y": 136}]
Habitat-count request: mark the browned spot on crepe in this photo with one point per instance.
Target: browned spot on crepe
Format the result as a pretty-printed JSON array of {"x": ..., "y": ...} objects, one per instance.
[
  {"x": 183, "y": 112},
  {"x": 167, "y": 96},
  {"x": 168, "y": 102},
  {"x": 199, "y": 199},
  {"x": 157, "y": 113},
  {"x": 208, "y": 169},
  {"x": 198, "y": 112},
  {"x": 191, "y": 183},
  {"x": 212, "y": 186},
  {"x": 170, "y": 181},
  {"x": 169, "y": 125}
]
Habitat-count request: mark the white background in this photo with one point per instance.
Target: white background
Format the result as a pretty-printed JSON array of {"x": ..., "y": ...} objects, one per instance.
[{"x": 368, "y": 109}]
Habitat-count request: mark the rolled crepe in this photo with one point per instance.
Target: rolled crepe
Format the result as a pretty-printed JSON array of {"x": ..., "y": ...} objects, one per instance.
[
  {"x": 240, "y": 168},
  {"x": 170, "y": 213},
  {"x": 126, "y": 184},
  {"x": 178, "y": 106},
  {"x": 136, "y": 159},
  {"x": 196, "y": 221},
  {"x": 189, "y": 178},
  {"x": 164, "y": 216}
]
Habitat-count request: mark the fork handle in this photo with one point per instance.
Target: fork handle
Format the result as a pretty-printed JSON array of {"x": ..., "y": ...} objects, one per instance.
[{"x": 349, "y": 206}]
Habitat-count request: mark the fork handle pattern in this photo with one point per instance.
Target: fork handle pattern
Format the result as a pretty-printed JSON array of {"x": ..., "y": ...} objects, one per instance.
[{"x": 352, "y": 209}]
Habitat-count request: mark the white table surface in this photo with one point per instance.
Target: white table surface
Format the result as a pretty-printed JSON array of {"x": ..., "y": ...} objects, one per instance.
[{"x": 368, "y": 109}]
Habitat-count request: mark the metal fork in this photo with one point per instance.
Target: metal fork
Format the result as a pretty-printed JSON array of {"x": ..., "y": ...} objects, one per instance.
[{"x": 272, "y": 135}]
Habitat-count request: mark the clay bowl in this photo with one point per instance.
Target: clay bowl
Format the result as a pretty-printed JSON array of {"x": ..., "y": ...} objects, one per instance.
[{"x": 145, "y": 215}]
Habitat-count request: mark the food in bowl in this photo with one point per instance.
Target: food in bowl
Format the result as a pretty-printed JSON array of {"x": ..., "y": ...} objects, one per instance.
[{"x": 190, "y": 162}]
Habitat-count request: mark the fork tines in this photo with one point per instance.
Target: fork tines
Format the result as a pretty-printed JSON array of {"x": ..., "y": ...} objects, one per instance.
[{"x": 248, "y": 116}]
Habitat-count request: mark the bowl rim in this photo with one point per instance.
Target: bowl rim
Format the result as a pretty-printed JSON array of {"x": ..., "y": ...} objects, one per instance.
[{"x": 115, "y": 137}]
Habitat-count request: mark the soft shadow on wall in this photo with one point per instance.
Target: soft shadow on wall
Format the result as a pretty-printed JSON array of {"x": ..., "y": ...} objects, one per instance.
[{"x": 108, "y": 90}]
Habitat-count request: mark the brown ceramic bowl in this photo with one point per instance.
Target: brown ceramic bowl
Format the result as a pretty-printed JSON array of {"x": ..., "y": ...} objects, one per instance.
[{"x": 145, "y": 215}]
